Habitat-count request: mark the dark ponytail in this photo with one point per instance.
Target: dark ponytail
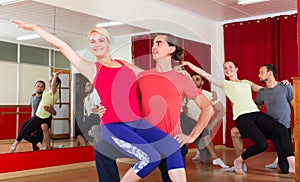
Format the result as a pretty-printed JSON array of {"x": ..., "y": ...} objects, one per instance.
[{"x": 58, "y": 84}]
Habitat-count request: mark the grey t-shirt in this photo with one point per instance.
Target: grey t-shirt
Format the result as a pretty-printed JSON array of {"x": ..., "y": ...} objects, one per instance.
[
  {"x": 34, "y": 103},
  {"x": 277, "y": 101}
]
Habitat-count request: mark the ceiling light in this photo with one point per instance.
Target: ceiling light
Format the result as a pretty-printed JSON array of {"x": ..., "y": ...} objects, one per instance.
[
  {"x": 6, "y": 2},
  {"x": 245, "y": 2},
  {"x": 109, "y": 24},
  {"x": 28, "y": 37}
]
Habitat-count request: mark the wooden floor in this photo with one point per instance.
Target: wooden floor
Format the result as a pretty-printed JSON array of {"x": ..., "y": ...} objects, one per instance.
[
  {"x": 196, "y": 171},
  {"x": 25, "y": 146}
]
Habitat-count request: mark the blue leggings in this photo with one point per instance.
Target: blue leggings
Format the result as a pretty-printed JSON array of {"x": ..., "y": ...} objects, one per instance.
[{"x": 139, "y": 139}]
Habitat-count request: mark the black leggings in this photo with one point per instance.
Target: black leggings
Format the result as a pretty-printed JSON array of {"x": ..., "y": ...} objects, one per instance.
[
  {"x": 33, "y": 124},
  {"x": 255, "y": 126}
]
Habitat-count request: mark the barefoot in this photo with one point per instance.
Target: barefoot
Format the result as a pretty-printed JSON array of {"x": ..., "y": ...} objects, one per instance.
[
  {"x": 41, "y": 146},
  {"x": 238, "y": 162},
  {"x": 13, "y": 147}
]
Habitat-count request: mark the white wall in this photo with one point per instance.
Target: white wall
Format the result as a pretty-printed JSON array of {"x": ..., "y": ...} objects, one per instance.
[{"x": 149, "y": 14}]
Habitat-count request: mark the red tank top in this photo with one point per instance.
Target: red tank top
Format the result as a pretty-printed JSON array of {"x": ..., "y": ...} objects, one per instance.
[{"x": 117, "y": 90}]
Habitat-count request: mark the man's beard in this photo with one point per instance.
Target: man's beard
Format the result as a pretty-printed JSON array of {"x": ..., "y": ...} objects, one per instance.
[
  {"x": 39, "y": 92},
  {"x": 264, "y": 80}
]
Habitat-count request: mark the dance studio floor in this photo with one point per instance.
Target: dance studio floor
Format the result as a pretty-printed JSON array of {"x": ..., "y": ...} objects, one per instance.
[{"x": 196, "y": 171}]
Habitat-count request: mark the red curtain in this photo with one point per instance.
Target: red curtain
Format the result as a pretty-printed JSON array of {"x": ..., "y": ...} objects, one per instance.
[{"x": 253, "y": 43}]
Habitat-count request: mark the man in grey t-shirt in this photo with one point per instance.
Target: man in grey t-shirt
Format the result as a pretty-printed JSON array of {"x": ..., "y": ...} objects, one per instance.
[
  {"x": 278, "y": 99},
  {"x": 34, "y": 103}
]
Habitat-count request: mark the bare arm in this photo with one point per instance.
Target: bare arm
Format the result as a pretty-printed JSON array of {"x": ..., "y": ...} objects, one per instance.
[
  {"x": 209, "y": 77},
  {"x": 206, "y": 113},
  {"x": 220, "y": 110},
  {"x": 137, "y": 70},
  {"x": 256, "y": 87},
  {"x": 87, "y": 68},
  {"x": 50, "y": 109}
]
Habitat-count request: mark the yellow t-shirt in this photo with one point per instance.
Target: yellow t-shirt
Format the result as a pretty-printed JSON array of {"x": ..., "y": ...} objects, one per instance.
[
  {"x": 47, "y": 99},
  {"x": 240, "y": 95}
]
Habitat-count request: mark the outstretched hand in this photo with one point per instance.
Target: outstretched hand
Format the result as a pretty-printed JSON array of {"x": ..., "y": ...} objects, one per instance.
[
  {"x": 58, "y": 73},
  {"x": 23, "y": 25}
]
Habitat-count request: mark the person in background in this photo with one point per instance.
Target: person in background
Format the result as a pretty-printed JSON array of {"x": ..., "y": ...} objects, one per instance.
[
  {"x": 188, "y": 117},
  {"x": 90, "y": 105},
  {"x": 278, "y": 99}
]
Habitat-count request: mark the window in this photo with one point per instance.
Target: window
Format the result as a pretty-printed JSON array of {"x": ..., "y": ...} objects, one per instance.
[
  {"x": 34, "y": 55},
  {"x": 8, "y": 51}
]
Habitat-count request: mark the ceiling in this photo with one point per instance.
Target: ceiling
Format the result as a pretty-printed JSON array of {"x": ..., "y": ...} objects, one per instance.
[
  {"x": 224, "y": 10},
  {"x": 69, "y": 25},
  {"x": 73, "y": 26}
]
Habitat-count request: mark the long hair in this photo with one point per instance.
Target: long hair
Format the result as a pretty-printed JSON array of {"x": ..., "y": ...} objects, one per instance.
[{"x": 58, "y": 84}]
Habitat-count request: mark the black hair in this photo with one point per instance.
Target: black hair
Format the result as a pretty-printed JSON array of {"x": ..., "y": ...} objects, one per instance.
[
  {"x": 271, "y": 67},
  {"x": 173, "y": 41},
  {"x": 58, "y": 83},
  {"x": 42, "y": 82},
  {"x": 234, "y": 63},
  {"x": 193, "y": 74}
]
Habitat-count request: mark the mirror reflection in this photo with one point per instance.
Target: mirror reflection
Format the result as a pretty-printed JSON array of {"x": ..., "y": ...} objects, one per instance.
[{"x": 23, "y": 62}]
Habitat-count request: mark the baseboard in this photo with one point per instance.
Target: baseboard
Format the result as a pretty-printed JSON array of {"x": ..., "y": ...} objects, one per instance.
[{"x": 45, "y": 170}]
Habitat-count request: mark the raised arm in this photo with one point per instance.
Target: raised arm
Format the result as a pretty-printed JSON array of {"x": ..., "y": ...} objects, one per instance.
[
  {"x": 209, "y": 77},
  {"x": 87, "y": 68}
]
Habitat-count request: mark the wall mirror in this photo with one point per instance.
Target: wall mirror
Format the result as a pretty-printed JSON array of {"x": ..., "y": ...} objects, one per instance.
[{"x": 23, "y": 62}]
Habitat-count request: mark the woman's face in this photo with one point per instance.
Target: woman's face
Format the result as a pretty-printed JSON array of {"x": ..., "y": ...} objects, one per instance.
[
  {"x": 99, "y": 44},
  {"x": 230, "y": 69}
]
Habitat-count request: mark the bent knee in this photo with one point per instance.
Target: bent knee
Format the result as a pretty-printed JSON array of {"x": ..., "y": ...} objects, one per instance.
[
  {"x": 44, "y": 127},
  {"x": 262, "y": 145},
  {"x": 235, "y": 132}
]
